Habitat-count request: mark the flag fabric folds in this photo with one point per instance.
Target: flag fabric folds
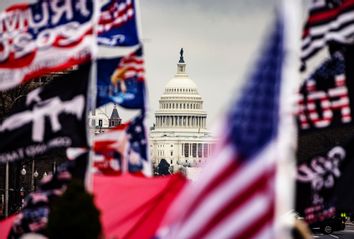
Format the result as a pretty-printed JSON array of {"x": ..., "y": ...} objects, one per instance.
[
  {"x": 49, "y": 117},
  {"x": 235, "y": 195},
  {"x": 109, "y": 149},
  {"x": 118, "y": 24},
  {"x": 43, "y": 37},
  {"x": 121, "y": 81},
  {"x": 123, "y": 149},
  {"x": 5, "y": 226},
  {"x": 328, "y": 21},
  {"x": 132, "y": 207}
]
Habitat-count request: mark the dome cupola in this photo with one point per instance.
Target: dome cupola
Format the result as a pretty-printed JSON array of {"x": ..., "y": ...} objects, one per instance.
[{"x": 181, "y": 106}]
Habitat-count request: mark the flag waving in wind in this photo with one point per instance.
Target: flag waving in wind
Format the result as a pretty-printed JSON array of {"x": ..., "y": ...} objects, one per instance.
[
  {"x": 117, "y": 24},
  {"x": 44, "y": 36},
  {"x": 328, "y": 21},
  {"x": 123, "y": 149},
  {"x": 121, "y": 80},
  {"x": 47, "y": 118},
  {"x": 235, "y": 194}
]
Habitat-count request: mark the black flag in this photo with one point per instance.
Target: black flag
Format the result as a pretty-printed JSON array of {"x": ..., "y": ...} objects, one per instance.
[
  {"x": 49, "y": 117},
  {"x": 326, "y": 97},
  {"x": 324, "y": 184}
]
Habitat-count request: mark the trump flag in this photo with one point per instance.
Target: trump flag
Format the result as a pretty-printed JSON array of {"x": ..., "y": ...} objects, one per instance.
[
  {"x": 44, "y": 36},
  {"x": 121, "y": 81}
]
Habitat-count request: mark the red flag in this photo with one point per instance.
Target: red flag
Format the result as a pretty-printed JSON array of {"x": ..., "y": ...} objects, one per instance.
[
  {"x": 5, "y": 226},
  {"x": 133, "y": 207}
]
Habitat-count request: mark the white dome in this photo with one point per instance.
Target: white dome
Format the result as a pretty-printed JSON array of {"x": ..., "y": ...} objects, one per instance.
[{"x": 181, "y": 82}]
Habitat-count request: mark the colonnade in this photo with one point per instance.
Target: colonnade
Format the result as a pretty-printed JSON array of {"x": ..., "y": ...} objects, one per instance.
[{"x": 181, "y": 121}]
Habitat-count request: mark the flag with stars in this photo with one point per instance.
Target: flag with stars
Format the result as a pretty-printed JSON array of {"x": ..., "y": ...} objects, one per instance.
[
  {"x": 117, "y": 26},
  {"x": 234, "y": 196},
  {"x": 137, "y": 151},
  {"x": 123, "y": 149}
]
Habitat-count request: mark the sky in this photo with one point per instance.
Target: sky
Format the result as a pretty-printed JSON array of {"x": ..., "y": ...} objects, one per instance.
[{"x": 220, "y": 41}]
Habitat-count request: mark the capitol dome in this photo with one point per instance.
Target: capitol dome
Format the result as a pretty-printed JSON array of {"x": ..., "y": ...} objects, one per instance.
[
  {"x": 180, "y": 135},
  {"x": 181, "y": 83},
  {"x": 181, "y": 106}
]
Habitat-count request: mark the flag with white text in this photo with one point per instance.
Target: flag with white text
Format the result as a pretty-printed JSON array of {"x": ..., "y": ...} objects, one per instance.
[
  {"x": 49, "y": 117},
  {"x": 44, "y": 36}
]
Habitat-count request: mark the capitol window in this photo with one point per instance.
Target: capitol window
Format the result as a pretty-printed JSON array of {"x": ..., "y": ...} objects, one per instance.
[
  {"x": 194, "y": 150},
  {"x": 186, "y": 150},
  {"x": 206, "y": 150},
  {"x": 200, "y": 150}
]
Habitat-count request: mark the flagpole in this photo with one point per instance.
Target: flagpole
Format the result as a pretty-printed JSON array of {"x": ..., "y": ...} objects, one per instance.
[
  {"x": 285, "y": 177},
  {"x": 7, "y": 189},
  {"x": 91, "y": 98}
]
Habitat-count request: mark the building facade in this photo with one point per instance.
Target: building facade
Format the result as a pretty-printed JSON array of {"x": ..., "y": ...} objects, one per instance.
[
  {"x": 103, "y": 119},
  {"x": 179, "y": 134}
]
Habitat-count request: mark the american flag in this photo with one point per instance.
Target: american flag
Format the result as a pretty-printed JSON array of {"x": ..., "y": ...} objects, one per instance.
[
  {"x": 130, "y": 66},
  {"x": 328, "y": 21},
  {"x": 114, "y": 14},
  {"x": 235, "y": 194},
  {"x": 109, "y": 150},
  {"x": 125, "y": 146}
]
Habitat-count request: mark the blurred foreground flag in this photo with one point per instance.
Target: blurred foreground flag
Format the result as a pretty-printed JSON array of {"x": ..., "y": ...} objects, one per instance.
[
  {"x": 49, "y": 117},
  {"x": 133, "y": 207},
  {"x": 235, "y": 194},
  {"x": 44, "y": 36},
  {"x": 328, "y": 21},
  {"x": 117, "y": 25},
  {"x": 121, "y": 80},
  {"x": 123, "y": 149}
]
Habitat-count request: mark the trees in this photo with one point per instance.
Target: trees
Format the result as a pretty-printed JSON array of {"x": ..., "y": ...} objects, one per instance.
[{"x": 163, "y": 168}]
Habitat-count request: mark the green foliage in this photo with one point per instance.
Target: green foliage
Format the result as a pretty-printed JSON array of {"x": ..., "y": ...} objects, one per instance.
[{"x": 74, "y": 215}]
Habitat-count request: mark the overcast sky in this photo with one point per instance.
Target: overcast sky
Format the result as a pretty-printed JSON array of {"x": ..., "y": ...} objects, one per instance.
[{"x": 220, "y": 39}]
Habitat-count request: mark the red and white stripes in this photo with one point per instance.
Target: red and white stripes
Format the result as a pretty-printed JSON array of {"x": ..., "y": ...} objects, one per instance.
[
  {"x": 325, "y": 25},
  {"x": 133, "y": 65},
  {"x": 235, "y": 200}
]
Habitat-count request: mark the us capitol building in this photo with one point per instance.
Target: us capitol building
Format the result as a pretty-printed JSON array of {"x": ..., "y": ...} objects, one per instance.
[{"x": 179, "y": 134}]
